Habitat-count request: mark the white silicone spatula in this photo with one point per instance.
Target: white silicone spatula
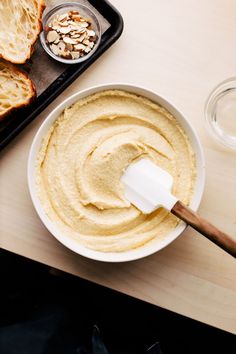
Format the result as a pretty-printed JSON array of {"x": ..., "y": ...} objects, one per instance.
[{"x": 148, "y": 187}]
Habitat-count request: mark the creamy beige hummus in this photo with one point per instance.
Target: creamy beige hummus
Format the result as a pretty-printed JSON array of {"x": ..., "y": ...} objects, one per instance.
[{"x": 82, "y": 160}]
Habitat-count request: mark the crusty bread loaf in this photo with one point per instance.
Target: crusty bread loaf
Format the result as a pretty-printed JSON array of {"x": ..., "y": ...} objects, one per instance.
[
  {"x": 16, "y": 89},
  {"x": 20, "y": 25}
]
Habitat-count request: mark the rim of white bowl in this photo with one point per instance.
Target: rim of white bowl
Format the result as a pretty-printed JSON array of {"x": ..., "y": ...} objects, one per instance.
[{"x": 150, "y": 247}]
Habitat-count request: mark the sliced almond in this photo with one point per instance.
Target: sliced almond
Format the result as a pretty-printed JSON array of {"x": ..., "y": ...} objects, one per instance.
[
  {"x": 84, "y": 19},
  {"x": 63, "y": 24},
  {"x": 75, "y": 55},
  {"x": 66, "y": 54},
  {"x": 69, "y": 47},
  {"x": 56, "y": 28},
  {"x": 86, "y": 42},
  {"x": 74, "y": 28},
  {"x": 52, "y": 36},
  {"x": 62, "y": 17},
  {"x": 65, "y": 30},
  {"x": 79, "y": 46},
  {"x": 81, "y": 30},
  {"x": 75, "y": 36},
  {"x": 54, "y": 24},
  {"x": 76, "y": 17},
  {"x": 57, "y": 40},
  {"x": 91, "y": 33},
  {"x": 54, "y": 49},
  {"x": 91, "y": 44},
  {"x": 61, "y": 46},
  {"x": 84, "y": 24},
  {"x": 87, "y": 49},
  {"x": 81, "y": 38},
  {"x": 69, "y": 40},
  {"x": 75, "y": 23}
]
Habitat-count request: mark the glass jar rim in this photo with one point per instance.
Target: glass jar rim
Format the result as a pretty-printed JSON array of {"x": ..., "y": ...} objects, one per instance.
[{"x": 221, "y": 90}]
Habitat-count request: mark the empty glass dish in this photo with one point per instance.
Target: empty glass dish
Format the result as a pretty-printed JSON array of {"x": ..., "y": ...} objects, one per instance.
[{"x": 220, "y": 113}]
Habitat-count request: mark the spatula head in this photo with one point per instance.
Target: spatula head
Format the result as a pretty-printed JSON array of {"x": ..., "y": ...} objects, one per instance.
[{"x": 147, "y": 186}]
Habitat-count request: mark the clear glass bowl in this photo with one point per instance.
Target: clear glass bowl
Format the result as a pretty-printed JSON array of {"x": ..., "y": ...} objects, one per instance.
[
  {"x": 220, "y": 113},
  {"x": 85, "y": 12}
]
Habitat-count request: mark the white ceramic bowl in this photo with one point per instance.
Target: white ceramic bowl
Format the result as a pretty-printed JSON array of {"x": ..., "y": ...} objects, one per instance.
[{"x": 156, "y": 244}]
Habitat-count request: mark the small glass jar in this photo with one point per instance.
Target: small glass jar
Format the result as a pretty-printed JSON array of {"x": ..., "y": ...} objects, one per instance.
[
  {"x": 220, "y": 113},
  {"x": 59, "y": 10}
]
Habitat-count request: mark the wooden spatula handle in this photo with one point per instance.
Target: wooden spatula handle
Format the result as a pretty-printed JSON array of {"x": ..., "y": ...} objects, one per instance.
[{"x": 221, "y": 239}]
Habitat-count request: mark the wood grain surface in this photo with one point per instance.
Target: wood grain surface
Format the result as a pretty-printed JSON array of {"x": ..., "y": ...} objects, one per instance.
[{"x": 185, "y": 49}]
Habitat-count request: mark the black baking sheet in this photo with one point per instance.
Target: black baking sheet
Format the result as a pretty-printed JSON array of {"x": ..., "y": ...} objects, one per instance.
[{"x": 52, "y": 77}]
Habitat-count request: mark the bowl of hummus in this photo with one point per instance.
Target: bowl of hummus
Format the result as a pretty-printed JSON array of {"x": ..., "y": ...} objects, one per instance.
[{"x": 79, "y": 155}]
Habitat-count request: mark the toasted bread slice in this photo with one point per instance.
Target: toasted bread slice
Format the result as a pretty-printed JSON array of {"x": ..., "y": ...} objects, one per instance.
[
  {"x": 16, "y": 89},
  {"x": 20, "y": 25}
]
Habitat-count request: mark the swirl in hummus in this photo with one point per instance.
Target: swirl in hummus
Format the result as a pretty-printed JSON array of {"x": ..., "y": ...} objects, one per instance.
[{"x": 84, "y": 155}]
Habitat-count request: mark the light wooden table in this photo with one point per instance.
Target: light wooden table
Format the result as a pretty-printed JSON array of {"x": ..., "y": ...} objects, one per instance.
[{"x": 181, "y": 49}]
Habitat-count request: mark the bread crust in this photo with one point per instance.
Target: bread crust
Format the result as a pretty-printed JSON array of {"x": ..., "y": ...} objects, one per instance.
[
  {"x": 32, "y": 90},
  {"x": 42, "y": 7}
]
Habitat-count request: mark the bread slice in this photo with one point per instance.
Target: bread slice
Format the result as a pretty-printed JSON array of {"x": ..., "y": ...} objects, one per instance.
[
  {"x": 16, "y": 89},
  {"x": 20, "y": 25}
]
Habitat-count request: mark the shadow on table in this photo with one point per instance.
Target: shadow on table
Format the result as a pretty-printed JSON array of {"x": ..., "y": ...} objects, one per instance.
[{"x": 44, "y": 311}]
